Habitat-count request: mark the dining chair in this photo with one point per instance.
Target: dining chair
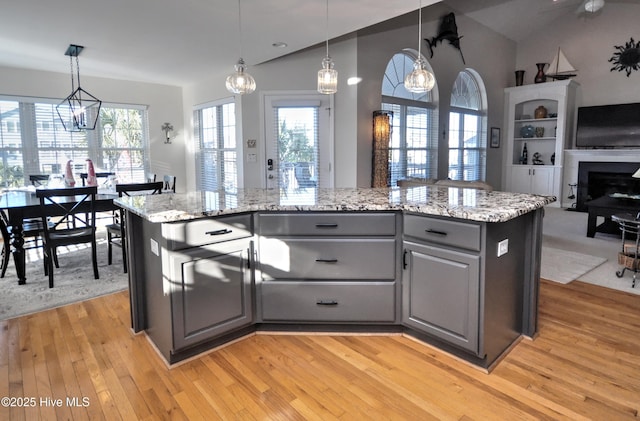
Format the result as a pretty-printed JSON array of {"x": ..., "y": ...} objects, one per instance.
[
  {"x": 151, "y": 177},
  {"x": 116, "y": 231},
  {"x": 73, "y": 221},
  {"x": 104, "y": 175},
  {"x": 31, "y": 229},
  {"x": 169, "y": 183},
  {"x": 39, "y": 180}
]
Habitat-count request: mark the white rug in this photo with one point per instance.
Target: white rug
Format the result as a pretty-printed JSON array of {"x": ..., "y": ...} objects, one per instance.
[
  {"x": 565, "y": 266},
  {"x": 567, "y": 231},
  {"x": 73, "y": 281}
]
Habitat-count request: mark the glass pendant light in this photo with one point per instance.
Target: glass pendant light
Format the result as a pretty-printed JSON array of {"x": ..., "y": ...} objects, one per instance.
[
  {"x": 240, "y": 82},
  {"x": 327, "y": 76},
  {"x": 420, "y": 80}
]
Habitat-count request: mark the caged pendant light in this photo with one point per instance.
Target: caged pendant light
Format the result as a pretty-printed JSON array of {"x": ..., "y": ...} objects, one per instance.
[
  {"x": 240, "y": 82},
  {"x": 80, "y": 110},
  {"x": 420, "y": 80},
  {"x": 327, "y": 76}
]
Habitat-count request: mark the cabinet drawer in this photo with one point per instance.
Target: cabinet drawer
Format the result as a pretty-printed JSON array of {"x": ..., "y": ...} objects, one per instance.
[
  {"x": 458, "y": 234},
  {"x": 198, "y": 232},
  {"x": 327, "y": 223},
  {"x": 291, "y": 258},
  {"x": 328, "y": 301}
]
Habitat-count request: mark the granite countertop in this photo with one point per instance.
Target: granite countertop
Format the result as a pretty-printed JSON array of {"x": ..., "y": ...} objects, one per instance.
[{"x": 471, "y": 204}]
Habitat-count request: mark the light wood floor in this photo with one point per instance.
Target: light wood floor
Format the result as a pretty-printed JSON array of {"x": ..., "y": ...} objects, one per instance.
[{"x": 585, "y": 364}]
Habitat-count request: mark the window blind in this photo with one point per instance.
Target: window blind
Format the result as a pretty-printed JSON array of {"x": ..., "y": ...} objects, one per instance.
[
  {"x": 297, "y": 147},
  {"x": 216, "y": 154},
  {"x": 33, "y": 141},
  {"x": 467, "y": 130}
]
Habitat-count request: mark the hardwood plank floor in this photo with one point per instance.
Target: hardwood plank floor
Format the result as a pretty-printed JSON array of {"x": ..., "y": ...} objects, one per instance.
[{"x": 584, "y": 365}]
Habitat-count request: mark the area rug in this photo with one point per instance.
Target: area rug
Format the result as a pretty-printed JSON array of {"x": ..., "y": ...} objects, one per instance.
[
  {"x": 73, "y": 281},
  {"x": 565, "y": 266}
]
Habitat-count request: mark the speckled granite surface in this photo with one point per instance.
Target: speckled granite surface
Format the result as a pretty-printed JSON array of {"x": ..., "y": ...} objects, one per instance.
[{"x": 472, "y": 204}]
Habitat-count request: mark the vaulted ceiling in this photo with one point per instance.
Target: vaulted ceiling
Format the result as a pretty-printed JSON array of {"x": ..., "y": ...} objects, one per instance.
[{"x": 180, "y": 42}]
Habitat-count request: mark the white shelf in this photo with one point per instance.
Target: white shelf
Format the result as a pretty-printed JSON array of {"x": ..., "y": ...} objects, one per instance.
[{"x": 536, "y": 120}]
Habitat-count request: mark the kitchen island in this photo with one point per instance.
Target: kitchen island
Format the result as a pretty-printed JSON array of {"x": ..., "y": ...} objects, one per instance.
[{"x": 457, "y": 268}]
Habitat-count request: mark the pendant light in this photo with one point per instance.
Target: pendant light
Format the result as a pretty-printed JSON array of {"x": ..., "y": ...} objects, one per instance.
[
  {"x": 327, "y": 76},
  {"x": 420, "y": 80},
  {"x": 80, "y": 110},
  {"x": 240, "y": 82}
]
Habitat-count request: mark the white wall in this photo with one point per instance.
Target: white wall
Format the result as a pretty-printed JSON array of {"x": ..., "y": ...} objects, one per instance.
[
  {"x": 588, "y": 44},
  {"x": 485, "y": 51},
  {"x": 295, "y": 72},
  {"x": 164, "y": 102}
]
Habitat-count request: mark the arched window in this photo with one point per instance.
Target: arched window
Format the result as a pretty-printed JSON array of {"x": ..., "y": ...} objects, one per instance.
[
  {"x": 414, "y": 139},
  {"x": 468, "y": 128}
]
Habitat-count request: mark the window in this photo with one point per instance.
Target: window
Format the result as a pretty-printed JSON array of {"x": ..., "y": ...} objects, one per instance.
[
  {"x": 414, "y": 137},
  {"x": 216, "y": 154},
  {"x": 33, "y": 141},
  {"x": 467, "y": 129}
]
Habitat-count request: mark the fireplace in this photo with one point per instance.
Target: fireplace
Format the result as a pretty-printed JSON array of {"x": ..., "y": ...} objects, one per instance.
[{"x": 596, "y": 179}]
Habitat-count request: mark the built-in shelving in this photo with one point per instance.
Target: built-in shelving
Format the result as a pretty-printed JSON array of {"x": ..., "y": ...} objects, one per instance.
[{"x": 559, "y": 100}]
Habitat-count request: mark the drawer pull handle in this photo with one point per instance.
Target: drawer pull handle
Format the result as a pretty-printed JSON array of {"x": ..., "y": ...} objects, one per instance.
[
  {"x": 327, "y": 302},
  {"x": 430, "y": 231},
  {"x": 219, "y": 232},
  {"x": 326, "y": 225},
  {"x": 327, "y": 260}
]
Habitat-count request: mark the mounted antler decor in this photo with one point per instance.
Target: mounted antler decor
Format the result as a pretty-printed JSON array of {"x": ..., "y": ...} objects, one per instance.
[
  {"x": 627, "y": 57},
  {"x": 448, "y": 31}
]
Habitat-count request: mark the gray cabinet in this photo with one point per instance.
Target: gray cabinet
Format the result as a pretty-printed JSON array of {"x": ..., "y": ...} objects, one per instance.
[
  {"x": 197, "y": 279},
  {"x": 441, "y": 280},
  {"x": 442, "y": 294},
  {"x": 328, "y": 267},
  {"x": 211, "y": 291}
]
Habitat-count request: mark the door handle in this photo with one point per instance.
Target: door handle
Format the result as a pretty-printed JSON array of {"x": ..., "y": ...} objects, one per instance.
[{"x": 327, "y": 260}]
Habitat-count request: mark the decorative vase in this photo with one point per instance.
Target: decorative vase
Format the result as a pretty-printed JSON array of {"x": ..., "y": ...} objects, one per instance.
[
  {"x": 540, "y": 76},
  {"x": 519, "y": 77},
  {"x": 539, "y": 131},
  {"x": 540, "y": 112}
]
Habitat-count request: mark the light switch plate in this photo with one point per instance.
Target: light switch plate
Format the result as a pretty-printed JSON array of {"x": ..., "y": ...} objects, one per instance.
[{"x": 503, "y": 247}]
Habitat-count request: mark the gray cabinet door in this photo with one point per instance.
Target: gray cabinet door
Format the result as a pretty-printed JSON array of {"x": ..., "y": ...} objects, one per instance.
[
  {"x": 442, "y": 294},
  {"x": 211, "y": 293}
]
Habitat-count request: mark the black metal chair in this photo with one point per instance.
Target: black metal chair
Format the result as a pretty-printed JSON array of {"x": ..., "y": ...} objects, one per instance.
[
  {"x": 169, "y": 183},
  {"x": 116, "y": 231},
  {"x": 74, "y": 222}
]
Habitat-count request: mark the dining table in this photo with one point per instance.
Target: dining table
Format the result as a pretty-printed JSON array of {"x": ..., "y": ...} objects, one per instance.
[{"x": 21, "y": 204}]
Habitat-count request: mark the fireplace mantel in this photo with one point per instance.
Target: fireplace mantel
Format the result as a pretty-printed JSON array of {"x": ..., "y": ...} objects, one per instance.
[{"x": 573, "y": 157}]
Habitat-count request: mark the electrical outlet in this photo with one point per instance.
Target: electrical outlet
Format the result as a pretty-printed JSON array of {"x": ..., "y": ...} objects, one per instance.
[{"x": 503, "y": 247}]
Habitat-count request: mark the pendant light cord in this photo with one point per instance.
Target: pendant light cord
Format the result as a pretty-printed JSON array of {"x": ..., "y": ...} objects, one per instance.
[
  {"x": 327, "y": 27},
  {"x": 240, "y": 27},
  {"x": 420, "y": 30}
]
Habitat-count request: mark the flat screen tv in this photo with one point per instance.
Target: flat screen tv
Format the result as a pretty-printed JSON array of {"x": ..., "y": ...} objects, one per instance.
[{"x": 609, "y": 126}]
